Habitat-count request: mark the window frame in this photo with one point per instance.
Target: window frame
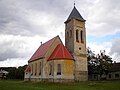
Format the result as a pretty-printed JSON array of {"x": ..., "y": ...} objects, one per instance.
[
  {"x": 81, "y": 36},
  {"x": 35, "y": 69},
  {"x": 109, "y": 75},
  {"x": 51, "y": 70},
  {"x": 59, "y": 69},
  {"x": 32, "y": 69},
  {"x": 70, "y": 33},
  {"x": 40, "y": 68},
  {"x": 77, "y": 35},
  {"x": 67, "y": 34},
  {"x": 117, "y": 75}
]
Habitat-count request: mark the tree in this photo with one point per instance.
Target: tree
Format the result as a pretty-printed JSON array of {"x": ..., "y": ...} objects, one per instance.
[
  {"x": 16, "y": 73},
  {"x": 99, "y": 64}
]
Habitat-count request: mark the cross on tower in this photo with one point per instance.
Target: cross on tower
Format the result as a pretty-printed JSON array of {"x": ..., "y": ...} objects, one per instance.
[{"x": 74, "y": 3}]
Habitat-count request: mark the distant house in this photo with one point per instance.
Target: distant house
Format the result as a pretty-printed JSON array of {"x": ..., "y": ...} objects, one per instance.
[
  {"x": 3, "y": 74},
  {"x": 114, "y": 72}
]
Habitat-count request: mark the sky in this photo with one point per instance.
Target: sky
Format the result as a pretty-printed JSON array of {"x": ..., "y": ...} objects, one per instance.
[{"x": 24, "y": 24}]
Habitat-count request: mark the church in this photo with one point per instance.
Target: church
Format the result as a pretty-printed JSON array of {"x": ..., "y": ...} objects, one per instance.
[{"x": 54, "y": 62}]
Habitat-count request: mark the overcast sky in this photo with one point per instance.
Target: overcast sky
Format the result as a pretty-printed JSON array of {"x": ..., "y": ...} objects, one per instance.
[{"x": 25, "y": 23}]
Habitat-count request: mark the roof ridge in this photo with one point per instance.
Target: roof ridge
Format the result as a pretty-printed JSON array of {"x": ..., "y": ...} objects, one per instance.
[
  {"x": 49, "y": 40},
  {"x": 51, "y": 43},
  {"x": 35, "y": 56}
]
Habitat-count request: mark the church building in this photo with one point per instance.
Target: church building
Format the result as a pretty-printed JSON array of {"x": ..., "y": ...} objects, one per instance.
[{"x": 55, "y": 62}]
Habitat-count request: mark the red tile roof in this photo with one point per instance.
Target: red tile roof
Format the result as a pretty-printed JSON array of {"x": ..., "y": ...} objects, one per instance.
[
  {"x": 60, "y": 52},
  {"x": 41, "y": 50},
  {"x": 28, "y": 69}
]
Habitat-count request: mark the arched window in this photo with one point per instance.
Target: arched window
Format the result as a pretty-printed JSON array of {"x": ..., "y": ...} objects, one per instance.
[
  {"x": 70, "y": 33},
  {"x": 35, "y": 68},
  {"x": 77, "y": 40},
  {"x": 40, "y": 69},
  {"x": 81, "y": 36},
  {"x": 50, "y": 73},
  {"x": 59, "y": 69},
  {"x": 67, "y": 34},
  {"x": 32, "y": 69}
]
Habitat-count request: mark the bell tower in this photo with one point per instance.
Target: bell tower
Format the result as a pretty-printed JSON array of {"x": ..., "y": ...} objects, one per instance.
[{"x": 75, "y": 41}]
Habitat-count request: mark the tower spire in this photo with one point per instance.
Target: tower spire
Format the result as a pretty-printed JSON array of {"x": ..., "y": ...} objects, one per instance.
[{"x": 75, "y": 15}]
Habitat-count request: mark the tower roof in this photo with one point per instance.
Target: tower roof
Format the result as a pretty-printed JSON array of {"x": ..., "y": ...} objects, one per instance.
[
  {"x": 75, "y": 15},
  {"x": 60, "y": 52}
]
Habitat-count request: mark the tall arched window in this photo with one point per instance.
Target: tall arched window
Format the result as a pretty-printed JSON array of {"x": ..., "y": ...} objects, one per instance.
[
  {"x": 35, "y": 68},
  {"x": 67, "y": 34},
  {"x": 40, "y": 69},
  {"x": 59, "y": 69},
  {"x": 81, "y": 36},
  {"x": 77, "y": 40},
  {"x": 70, "y": 33},
  {"x": 50, "y": 65},
  {"x": 32, "y": 69}
]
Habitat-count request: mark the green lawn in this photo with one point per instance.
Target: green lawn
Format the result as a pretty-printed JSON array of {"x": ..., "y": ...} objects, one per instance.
[{"x": 90, "y": 85}]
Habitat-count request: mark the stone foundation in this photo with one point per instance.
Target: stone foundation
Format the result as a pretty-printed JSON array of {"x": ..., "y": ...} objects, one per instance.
[
  {"x": 81, "y": 76},
  {"x": 50, "y": 80}
]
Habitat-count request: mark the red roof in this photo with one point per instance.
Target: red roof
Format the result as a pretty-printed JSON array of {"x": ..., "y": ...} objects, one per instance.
[
  {"x": 60, "y": 52},
  {"x": 28, "y": 69},
  {"x": 41, "y": 50}
]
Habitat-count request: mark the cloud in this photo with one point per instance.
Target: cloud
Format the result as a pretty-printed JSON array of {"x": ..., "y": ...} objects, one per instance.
[
  {"x": 14, "y": 62},
  {"x": 103, "y": 18},
  {"x": 96, "y": 47},
  {"x": 112, "y": 48},
  {"x": 30, "y": 17},
  {"x": 115, "y": 46},
  {"x": 115, "y": 49},
  {"x": 18, "y": 46},
  {"x": 18, "y": 18}
]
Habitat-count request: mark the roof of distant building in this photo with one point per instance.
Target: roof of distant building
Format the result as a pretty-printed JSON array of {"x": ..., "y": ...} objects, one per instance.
[
  {"x": 3, "y": 71},
  {"x": 115, "y": 67}
]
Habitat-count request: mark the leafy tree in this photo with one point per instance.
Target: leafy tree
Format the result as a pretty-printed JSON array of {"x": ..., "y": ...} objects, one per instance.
[
  {"x": 16, "y": 73},
  {"x": 99, "y": 64},
  {"x": 11, "y": 74}
]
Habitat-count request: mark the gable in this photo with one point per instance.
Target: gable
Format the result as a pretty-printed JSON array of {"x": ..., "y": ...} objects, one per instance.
[{"x": 44, "y": 49}]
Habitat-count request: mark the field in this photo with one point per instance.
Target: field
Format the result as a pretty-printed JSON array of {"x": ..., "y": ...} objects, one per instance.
[{"x": 90, "y": 85}]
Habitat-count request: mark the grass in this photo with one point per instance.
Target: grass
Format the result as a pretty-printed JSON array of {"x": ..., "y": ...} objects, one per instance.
[{"x": 90, "y": 85}]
